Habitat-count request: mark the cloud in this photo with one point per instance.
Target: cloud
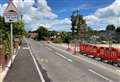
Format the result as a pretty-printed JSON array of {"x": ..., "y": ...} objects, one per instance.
[
  {"x": 2, "y": 8},
  {"x": 104, "y": 16},
  {"x": 39, "y": 15}
]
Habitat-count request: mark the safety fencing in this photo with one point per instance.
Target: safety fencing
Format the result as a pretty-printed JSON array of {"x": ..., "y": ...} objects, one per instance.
[{"x": 110, "y": 54}]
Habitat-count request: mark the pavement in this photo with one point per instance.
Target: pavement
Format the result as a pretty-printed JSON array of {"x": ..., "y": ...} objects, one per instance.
[
  {"x": 23, "y": 68},
  {"x": 62, "y": 66}
]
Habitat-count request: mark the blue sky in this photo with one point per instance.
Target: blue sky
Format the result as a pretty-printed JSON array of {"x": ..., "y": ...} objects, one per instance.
[
  {"x": 64, "y": 8},
  {"x": 55, "y": 14}
]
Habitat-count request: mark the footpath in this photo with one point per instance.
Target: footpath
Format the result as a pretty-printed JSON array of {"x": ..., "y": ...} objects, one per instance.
[{"x": 23, "y": 68}]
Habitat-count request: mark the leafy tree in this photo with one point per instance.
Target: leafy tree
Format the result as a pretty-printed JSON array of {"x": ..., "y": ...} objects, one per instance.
[
  {"x": 117, "y": 30},
  {"x": 52, "y": 33},
  {"x": 19, "y": 28},
  {"x": 67, "y": 39},
  {"x": 90, "y": 31},
  {"x": 5, "y": 33},
  {"x": 118, "y": 34},
  {"x": 78, "y": 24},
  {"x": 42, "y": 33},
  {"x": 73, "y": 20},
  {"x": 110, "y": 27}
]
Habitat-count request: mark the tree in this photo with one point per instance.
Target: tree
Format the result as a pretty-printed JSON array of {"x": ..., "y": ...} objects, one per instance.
[
  {"x": 52, "y": 33},
  {"x": 118, "y": 34},
  {"x": 5, "y": 33},
  {"x": 67, "y": 39},
  {"x": 78, "y": 24},
  {"x": 42, "y": 33},
  {"x": 19, "y": 28},
  {"x": 110, "y": 28},
  {"x": 73, "y": 20},
  {"x": 90, "y": 31},
  {"x": 117, "y": 30}
]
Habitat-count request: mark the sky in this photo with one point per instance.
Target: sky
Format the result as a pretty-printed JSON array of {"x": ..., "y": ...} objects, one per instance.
[{"x": 55, "y": 14}]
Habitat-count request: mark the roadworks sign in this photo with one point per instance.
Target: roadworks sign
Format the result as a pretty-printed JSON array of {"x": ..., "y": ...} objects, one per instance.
[{"x": 10, "y": 13}]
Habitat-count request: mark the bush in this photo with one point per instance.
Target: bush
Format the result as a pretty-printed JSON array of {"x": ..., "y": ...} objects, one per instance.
[{"x": 57, "y": 41}]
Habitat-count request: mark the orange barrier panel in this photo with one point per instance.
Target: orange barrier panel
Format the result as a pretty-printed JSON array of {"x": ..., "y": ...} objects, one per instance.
[
  {"x": 111, "y": 54},
  {"x": 89, "y": 49},
  {"x": 95, "y": 51},
  {"x": 115, "y": 55},
  {"x": 101, "y": 52},
  {"x": 82, "y": 47},
  {"x": 86, "y": 48}
]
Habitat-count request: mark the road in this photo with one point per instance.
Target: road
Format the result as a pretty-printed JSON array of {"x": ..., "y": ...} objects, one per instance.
[
  {"x": 23, "y": 68},
  {"x": 61, "y": 66}
]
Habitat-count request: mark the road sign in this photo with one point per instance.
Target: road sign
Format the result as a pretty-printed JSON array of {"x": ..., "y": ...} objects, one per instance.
[{"x": 10, "y": 13}]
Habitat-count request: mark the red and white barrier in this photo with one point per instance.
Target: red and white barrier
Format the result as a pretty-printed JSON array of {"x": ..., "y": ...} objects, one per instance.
[{"x": 106, "y": 53}]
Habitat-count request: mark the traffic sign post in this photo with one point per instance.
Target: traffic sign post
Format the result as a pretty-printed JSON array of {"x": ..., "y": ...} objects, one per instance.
[
  {"x": 10, "y": 16},
  {"x": 11, "y": 41}
]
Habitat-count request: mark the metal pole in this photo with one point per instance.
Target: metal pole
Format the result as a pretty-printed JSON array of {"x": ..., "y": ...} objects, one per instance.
[{"x": 11, "y": 25}]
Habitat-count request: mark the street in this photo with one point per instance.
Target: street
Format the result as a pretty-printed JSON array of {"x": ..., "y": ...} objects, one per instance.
[{"x": 61, "y": 67}]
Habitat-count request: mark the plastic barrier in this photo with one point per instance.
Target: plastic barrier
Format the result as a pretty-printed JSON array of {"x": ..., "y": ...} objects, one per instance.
[
  {"x": 101, "y": 52},
  {"x": 82, "y": 47},
  {"x": 105, "y": 53},
  {"x": 111, "y": 54},
  {"x": 115, "y": 55},
  {"x": 92, "y": 50},
  {"x": 89, "y": 49},
  {"x": 95, "y": 51}
]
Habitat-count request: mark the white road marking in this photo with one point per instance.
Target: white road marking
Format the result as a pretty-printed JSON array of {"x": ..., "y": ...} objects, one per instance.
[
  {"x": 89, "y": 61},
  {"x": 25, "y": 48},
  {"x": 36, "y": 64},
  {"x": 100, "y": 75},
  {"x": 63, "y": 57},
  {"x": 41, "y": 45},
  {"x": 48, "y": 48}
]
